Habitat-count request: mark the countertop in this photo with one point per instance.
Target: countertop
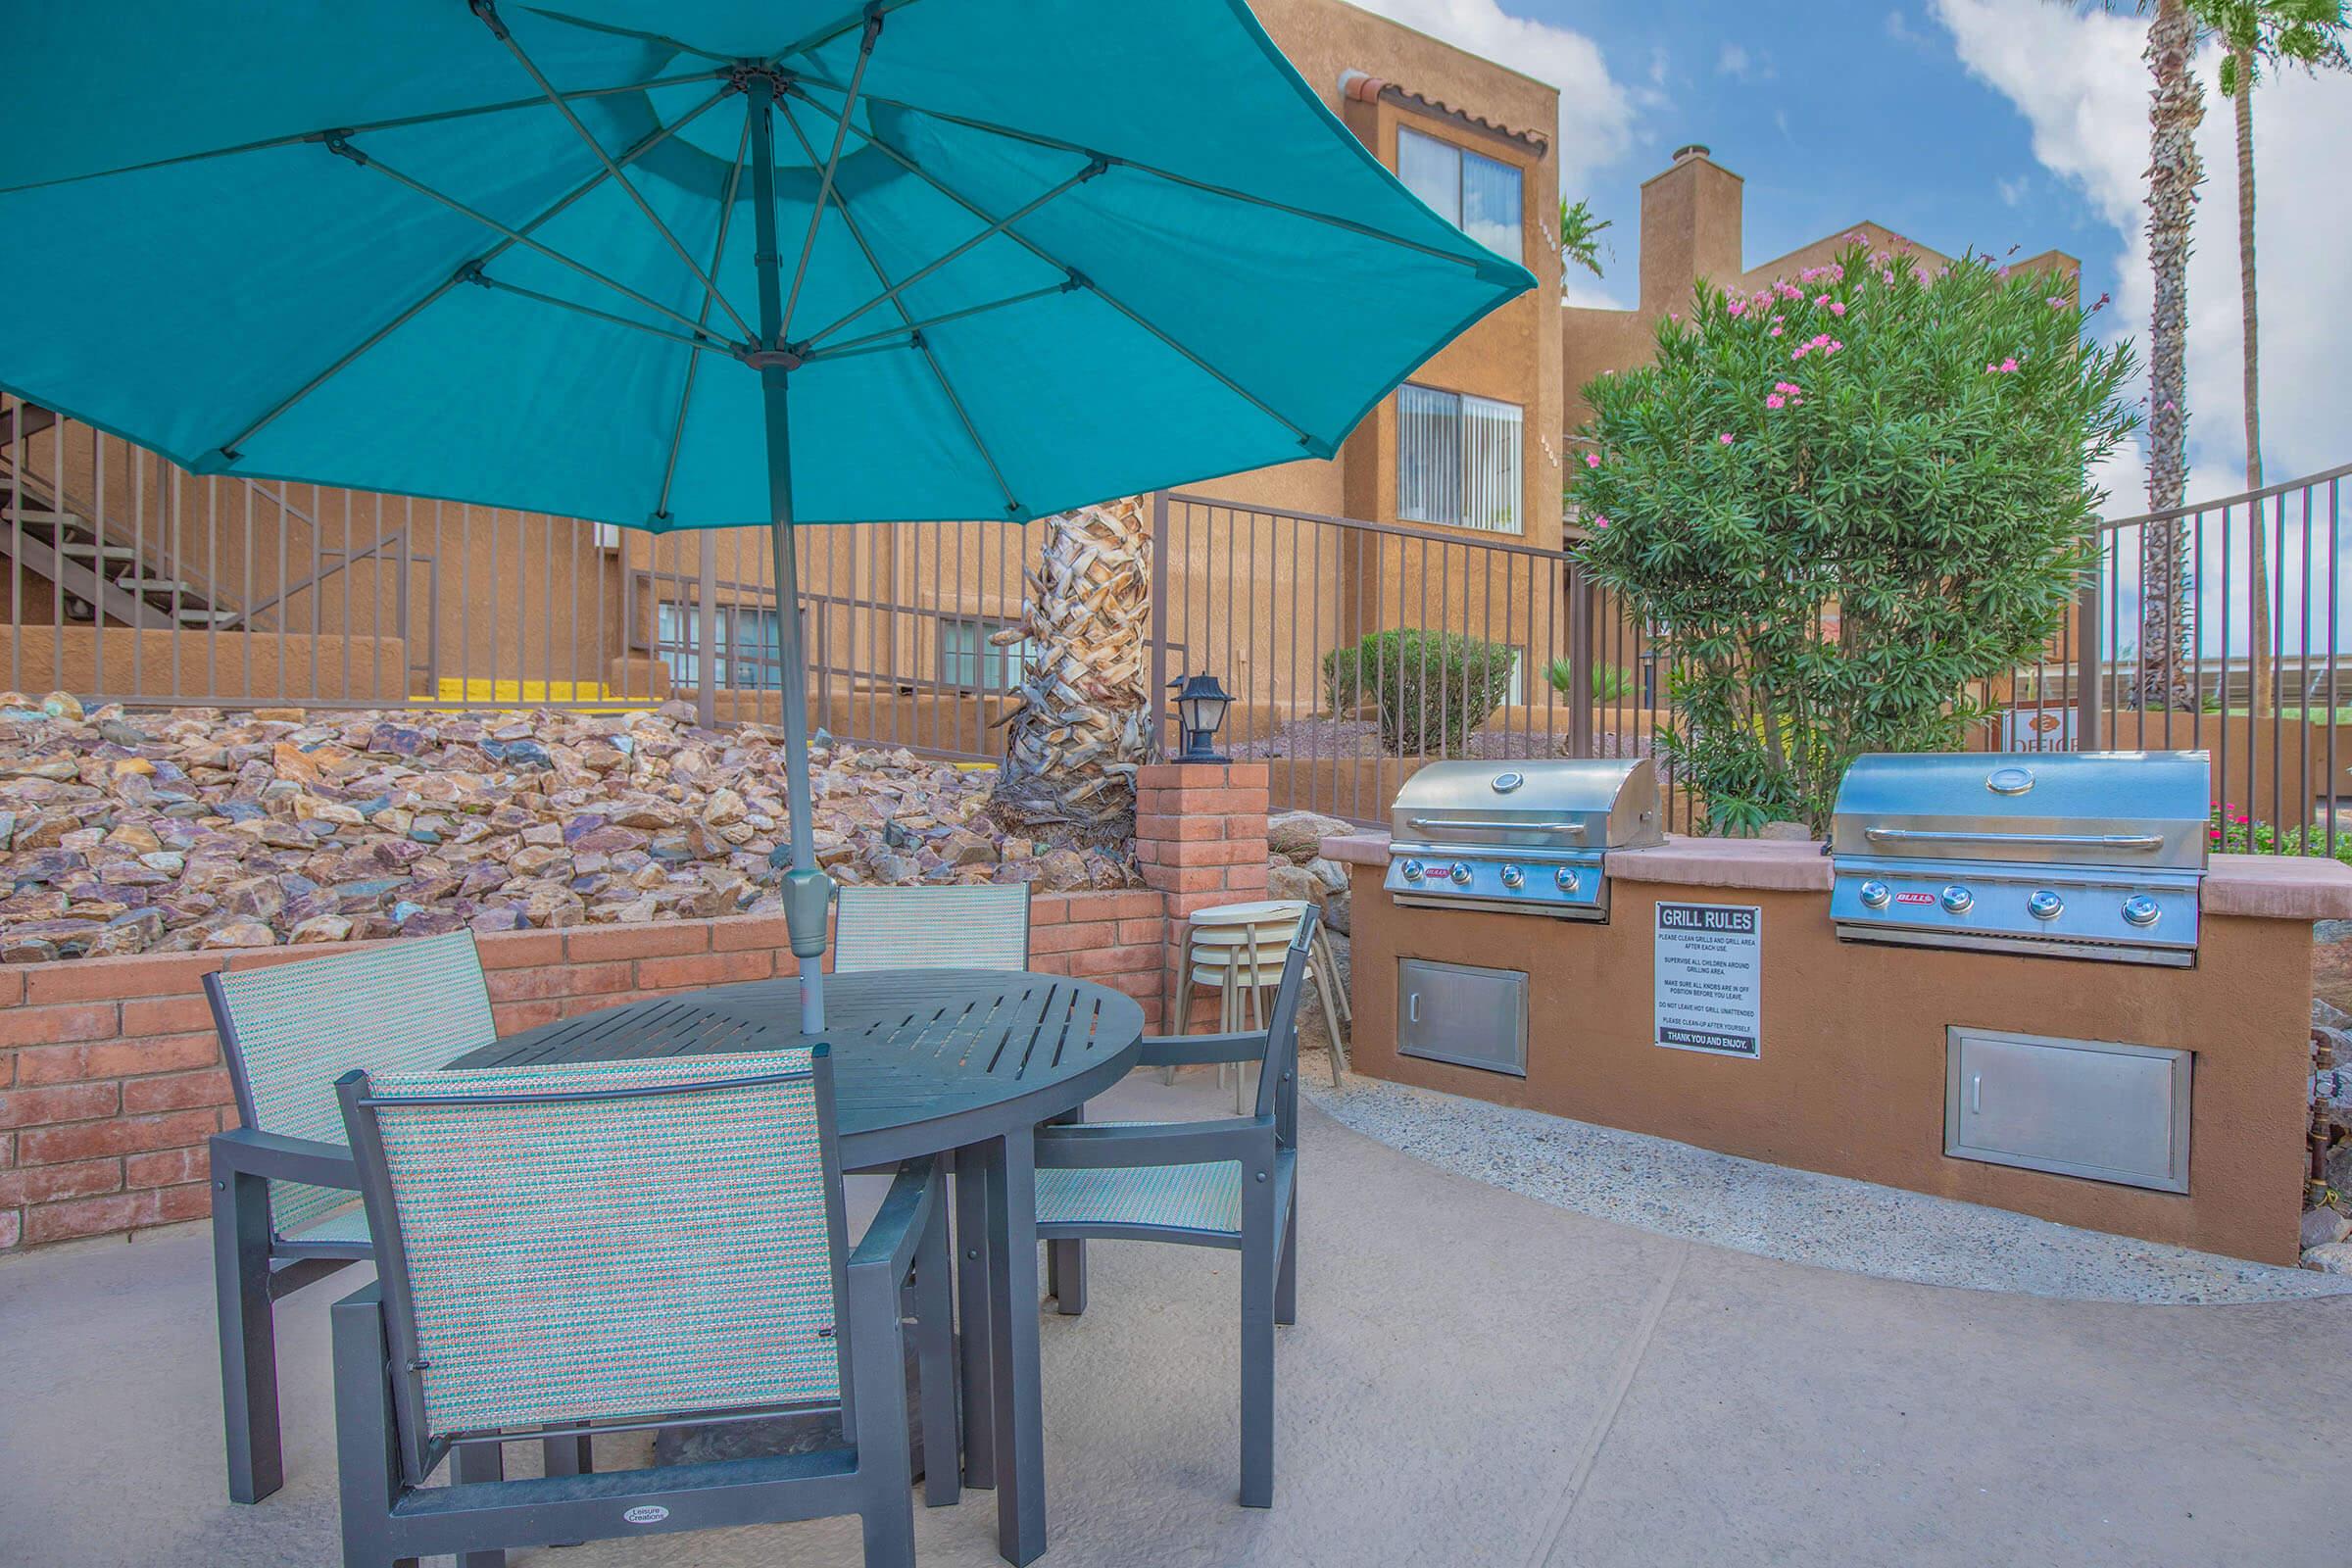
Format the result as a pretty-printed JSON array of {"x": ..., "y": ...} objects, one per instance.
[{"x": 2272, "y": 887}]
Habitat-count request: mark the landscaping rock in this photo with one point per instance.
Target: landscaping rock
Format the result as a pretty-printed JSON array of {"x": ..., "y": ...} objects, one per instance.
[
  {"x": 2324, "y": 1227},
  {"x": 2333, "y": 1259},
  {"x": 1298, "y": 836},
  {"x": 196, "y": 828}
]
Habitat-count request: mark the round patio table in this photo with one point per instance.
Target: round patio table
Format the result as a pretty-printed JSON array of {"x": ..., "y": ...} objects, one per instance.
[{"x": 925, "y": 1061}]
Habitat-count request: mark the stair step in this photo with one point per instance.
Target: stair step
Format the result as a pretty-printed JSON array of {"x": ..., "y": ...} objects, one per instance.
[
  {"x": 191, "y": 616},
  {"x": 84, "y": 550},
  {"x": 154, "y": 585},
  {"x": 24, "y": 419},
  {"x": 40, "y": 514}
]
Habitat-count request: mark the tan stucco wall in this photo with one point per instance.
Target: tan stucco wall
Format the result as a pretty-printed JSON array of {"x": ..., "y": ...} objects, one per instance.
[{"x": 1850, "y": 1078}]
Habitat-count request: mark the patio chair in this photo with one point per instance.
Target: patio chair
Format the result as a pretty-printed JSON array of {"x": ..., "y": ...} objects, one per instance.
[
  {"x": 955, "y": 928},
  {"x": 286, "y": 1195},
  {"x": 618, "y": 1247},
  {"x": 1230, "y": 1182}
]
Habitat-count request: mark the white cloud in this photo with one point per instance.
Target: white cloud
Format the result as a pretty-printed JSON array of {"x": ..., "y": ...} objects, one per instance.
[
  {"x": 1596, "y": 112},
  {"x": 2013, "y": 191},
  {"x": 1733, "y": 61},
  {"x": 1899, "y": 28},
  {"x": 2080, "y": 83}
]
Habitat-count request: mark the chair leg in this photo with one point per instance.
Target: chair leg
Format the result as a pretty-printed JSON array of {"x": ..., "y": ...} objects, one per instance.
[
  {"x": 1258, "y": 1268},
  {"x": 1327, "y": 979},
  {"x": 367, "y": 1462},
  {"x": 878, "y": 1383},
  {"x": 935, "y": 1363},
  {"x": 480, "y": 1461},
  {"x": 1286, "y": 1276},
  {"x": 1065, "y": 1261},
  {"x": 971, "y": 1322},
  {"x": 567, "y": 1457},
  {"x": 248, "y": 1335}
]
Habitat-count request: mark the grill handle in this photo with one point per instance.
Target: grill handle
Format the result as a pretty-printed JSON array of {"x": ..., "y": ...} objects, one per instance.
[
  {"x": 2071, "y": 841},
  {"x": 1474, "y": 824}
]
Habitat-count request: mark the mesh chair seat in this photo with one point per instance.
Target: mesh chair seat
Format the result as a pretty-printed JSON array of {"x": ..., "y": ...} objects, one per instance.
[
  {"x": 1206, "y": 1197},
  {"x": 983, "y": 927},
  {"x": 343, "y": 1227}
]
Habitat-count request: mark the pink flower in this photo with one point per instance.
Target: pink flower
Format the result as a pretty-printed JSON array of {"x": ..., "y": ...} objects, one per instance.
[
  {"x": 1774, "y": 400},
  {"x": 1798, "y": 352},
  {"x": 1992, "y": 368},
  {"x": 1821, "y": 299},
  {"x": 1600, "y": 522},
  {"x": 1776, "y": 332},
  {"x": 1738, "y": 307},
  {"x": 1821, "y": 340},
  {"x": 1832, "y": 347},
  {"x": 1790, "y": 387},
  {"x": 1837, "y": 307},
  {"x": 2008, "y": 367},
  {"x": 1592, "y": 459},
  {"x": 2056, "y": 302},
  {"x": 1725, "y": 438}
]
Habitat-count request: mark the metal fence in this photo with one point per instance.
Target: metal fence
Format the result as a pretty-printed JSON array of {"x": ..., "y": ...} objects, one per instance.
[{"x": 1354, "y": 650}]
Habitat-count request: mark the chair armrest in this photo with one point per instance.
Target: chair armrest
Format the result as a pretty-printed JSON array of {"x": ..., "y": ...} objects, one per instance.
[
  {"x": 1080, "y": 1146},
  {"x": 246, "y": 1151},
  {"x": 891, "y": 1241},
  {"x": 1191, "y": 1050}
]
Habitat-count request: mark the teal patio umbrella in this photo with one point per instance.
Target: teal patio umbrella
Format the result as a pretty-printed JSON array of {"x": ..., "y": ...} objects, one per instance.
[{"x": 694, "y": 263}]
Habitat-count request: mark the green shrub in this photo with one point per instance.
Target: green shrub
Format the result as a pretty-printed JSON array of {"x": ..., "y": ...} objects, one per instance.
[
  {"x": 2233, "y": 832},
  {"x": 1846, "y": 500},
  {"x": 1612, "y": 683},
  {"x": 1434, "y": 688}
]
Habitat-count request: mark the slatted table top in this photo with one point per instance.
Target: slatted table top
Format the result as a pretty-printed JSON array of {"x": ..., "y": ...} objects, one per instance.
[{"x": 923, "y": 1060}]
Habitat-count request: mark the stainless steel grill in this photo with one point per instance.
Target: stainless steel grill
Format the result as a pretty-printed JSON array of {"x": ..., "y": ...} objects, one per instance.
[
  {"x": 1528, "y": 837},
  {"x": 2090, "y": 855}
]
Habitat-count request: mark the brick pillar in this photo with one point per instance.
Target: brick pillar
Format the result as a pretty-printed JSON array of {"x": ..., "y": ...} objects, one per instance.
[{"x": 1201, "y": 838}]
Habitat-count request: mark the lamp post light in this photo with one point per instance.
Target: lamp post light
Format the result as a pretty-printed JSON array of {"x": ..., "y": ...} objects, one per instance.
[{"x": 1201, "y": 705}]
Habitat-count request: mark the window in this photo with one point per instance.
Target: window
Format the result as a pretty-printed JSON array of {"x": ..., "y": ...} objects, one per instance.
[
  {"x": 967, "y": 659},
  {"x": 750, "y": 650},
  {"x": 1478, "y": 193},
  {"x": 1457, "y": 460}
]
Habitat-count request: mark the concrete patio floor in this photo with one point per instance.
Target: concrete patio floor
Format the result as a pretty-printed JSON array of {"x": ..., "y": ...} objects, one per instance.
[{"x": 1476, "y": 1378}]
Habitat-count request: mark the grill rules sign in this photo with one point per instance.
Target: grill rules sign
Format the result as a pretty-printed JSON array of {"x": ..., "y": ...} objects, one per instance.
[{"x": 1710, "y": 978}]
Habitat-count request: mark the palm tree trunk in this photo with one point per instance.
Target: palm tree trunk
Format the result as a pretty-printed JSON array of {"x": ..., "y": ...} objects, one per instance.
[
  {"x": 1081, "y": 718},
  {"x": 2176, "y": 106},
  {"x": 2258, "y": 573}
]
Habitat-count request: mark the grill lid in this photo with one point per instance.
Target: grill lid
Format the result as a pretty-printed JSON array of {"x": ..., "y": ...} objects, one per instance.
[
  {"x": 2127, "y": 810},
  {"x": 1546, "y": 803}
]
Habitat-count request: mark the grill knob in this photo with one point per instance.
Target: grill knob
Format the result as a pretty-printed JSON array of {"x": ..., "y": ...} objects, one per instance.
[
  {"x": 1513, "y": 878},
  {"x": 1412, "y": 871},
  {"x": 2044, "y": 905},
  {"x": 1461, "y": 873},
  {"x": 1956, "y": 898},
  {"x": 1568, "y": 879},
  {"x": 1875, "y": 894},
  {"x": 2142, "y": 909}
]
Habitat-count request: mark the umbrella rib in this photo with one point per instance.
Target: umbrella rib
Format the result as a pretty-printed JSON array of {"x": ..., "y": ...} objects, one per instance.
[
  {"x": 939, "y": 372},
  {"x": 488, "y": 12},
  {"x": 1306, "y": 439},
  {"x": 824, "y": 188},
  {"x": 694, "y": 340},
  {"x": 1040, "y": 139},
  {"x": 399, "y": 124},
  {"x": 995, "y": 227},
  {"x": 229, "y": 448},
  {"x": 346, "y": 150},
  {"x": 888, "y": 336},
  {"x": 694, "y": 362}
]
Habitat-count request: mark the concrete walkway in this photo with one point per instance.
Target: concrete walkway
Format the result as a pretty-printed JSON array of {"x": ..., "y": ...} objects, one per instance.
[{"x": 1477, "y": 1377}]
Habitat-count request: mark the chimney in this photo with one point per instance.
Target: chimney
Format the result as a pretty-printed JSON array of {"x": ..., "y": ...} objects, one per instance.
[{"x": 1690, "y": 218}]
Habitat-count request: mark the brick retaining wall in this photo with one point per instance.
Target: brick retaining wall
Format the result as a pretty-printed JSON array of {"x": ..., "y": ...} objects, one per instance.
[{"x": 110, "y": 1077}]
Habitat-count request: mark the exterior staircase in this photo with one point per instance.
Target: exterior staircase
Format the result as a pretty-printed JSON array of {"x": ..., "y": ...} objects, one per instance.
[{"x": 95, "y": 571}]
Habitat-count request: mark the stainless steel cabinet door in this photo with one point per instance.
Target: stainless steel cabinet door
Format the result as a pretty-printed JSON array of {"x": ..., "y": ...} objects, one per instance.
[
  {"x": 2094, "y": 1109},
  {"x": 1468, "y": 1016}
]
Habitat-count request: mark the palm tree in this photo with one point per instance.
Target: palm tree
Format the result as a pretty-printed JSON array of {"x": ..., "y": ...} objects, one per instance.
[
  {"x": 2258, "y": 33},
  {"x": 1579, "y": 235},
  {"x": 1081, "y": 716},
  {"x": 2175, "y": 108}
]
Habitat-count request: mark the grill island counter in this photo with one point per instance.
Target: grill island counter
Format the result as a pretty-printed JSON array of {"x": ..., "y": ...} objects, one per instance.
[{"x": 2165, "y": 1095}]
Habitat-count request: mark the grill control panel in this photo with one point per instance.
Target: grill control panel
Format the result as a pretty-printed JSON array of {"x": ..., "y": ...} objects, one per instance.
[
  {"x": 1429, "y": 876},
  {"x": 2052, "y": 910}
]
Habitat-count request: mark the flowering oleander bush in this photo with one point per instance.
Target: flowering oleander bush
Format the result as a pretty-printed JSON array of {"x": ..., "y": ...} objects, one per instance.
[
  {"x": 1848, "y": 498},
  {"x": 2233, "y": 832}
]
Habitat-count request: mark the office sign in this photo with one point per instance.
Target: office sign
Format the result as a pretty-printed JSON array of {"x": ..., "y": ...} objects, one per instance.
[{"x": 1710, "y": 978}]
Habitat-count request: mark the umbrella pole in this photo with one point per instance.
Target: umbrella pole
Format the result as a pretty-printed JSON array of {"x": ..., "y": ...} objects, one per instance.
[{"x": 808, "y": 892}]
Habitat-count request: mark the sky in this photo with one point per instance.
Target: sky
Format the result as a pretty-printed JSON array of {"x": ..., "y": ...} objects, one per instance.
[{"x": 1984, "y": 123}]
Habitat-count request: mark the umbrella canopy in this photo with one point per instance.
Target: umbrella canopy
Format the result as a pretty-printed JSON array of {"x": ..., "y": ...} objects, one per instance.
[{"x": 686, "y": 263}]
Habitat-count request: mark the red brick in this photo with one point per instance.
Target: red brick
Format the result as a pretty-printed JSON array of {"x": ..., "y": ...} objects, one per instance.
[
  {"x": 249, "y": 959},
  {"x": 1049, "y": 908},
  {"x": 43, "y": 1026},
  {"x": 1222, "y": 852},
  {"x": 704, "y": 969},
  {"x": 117, "y": 1059},
  {"x": 588, "y": 944},
  {"x": 1185, "y": 879},
  {"x": 92, "y": 1216},
  {"x": 559, "y": 980},
  {"x": 1145, "y": 988},
  {"x": 1131, "y": 906},
  {"x": 1112, "y": 960},
  {"x": 51, "y": 1184},
  {"x": 7, "y": 1149},
  {"x": 1163, "y": 825},
  {"x": 766, "y": 933},
  {"x": 1154, "y": 930},
  {"x": 1215, "y": 803},
  {"x": 124, "y": 1134},
  {"x": 178, "y": 1204},
  {"x": 171, "y": 974},
  {"x": 11, "y": 984},
  {"x": 166, "y": 1015},
  {"x": 45, "y": 1108},
  {"x": 1072, "y": 938},
  {"x": 11, "y": 1228},
  {"x": 519, "y": 949},
  {"x": 1250, "y": 878},
  {"x": 176, "y": 1091},
  {"x": 166, "y": 1168},
  {"x": 514, "y": 1017}
]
